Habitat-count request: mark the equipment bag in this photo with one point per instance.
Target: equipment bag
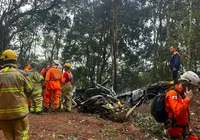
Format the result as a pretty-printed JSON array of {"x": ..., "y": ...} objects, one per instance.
[{"x": 158, "y": 107}]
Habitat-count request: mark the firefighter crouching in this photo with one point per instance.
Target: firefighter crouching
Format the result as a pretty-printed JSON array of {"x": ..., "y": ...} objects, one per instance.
[
  {"x": 178, "y": 108},
  {"x": 14, "y": 90}
]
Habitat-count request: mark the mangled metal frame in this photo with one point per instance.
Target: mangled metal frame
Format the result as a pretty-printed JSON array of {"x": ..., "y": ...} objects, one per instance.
[{"x": 105, "y": 102}]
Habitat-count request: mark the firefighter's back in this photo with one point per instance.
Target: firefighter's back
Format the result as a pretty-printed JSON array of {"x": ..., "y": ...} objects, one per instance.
[{"x": 13, "y": 100}]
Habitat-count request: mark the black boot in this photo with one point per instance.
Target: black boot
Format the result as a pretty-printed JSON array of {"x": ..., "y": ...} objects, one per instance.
[
  {"x": 29, "y": 108},
  {"x": 40, "y": 112},
  {"x": 46, "y": 109},
  {"x": 56, "y": 110}
]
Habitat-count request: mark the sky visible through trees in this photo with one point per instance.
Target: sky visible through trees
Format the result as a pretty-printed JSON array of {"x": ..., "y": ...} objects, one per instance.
[{"x": 89, "y": 33}]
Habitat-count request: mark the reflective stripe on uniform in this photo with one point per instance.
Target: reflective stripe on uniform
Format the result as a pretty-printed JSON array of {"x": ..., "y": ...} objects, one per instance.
[
  {"x": 33, "y": 81},
  {"x": 55, "y": 70},
  {"x": 37, "y": 109},
  {"x": 11, "y": 90},
  {"x": 9, "y": 72},
  {"x": 37, "y": 91},
  {"x": 19, "y": 109},
  {"x": 28, "y": 86},
  {"x": 6, "y": 69},
  {"x": 32, "y": 109},
  {"x": 25, "y": 135},
  {"x": 41, "y": 78}
]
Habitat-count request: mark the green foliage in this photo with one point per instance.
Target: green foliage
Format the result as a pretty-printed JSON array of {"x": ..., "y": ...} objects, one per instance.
[{"x": 81, "y": 32}]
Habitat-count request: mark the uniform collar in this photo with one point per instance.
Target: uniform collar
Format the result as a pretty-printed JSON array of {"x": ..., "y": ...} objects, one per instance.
[
  {"x": 54, "y": 66},
  {"x": 10, "y": 65},
  {"x": 176, "y": 53},
  {"x": 178, "y": 86}
]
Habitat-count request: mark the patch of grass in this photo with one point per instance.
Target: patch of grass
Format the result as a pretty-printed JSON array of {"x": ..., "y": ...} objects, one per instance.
[
  {"x": 111, "y": 132},
  {"x": 72, "y": 138},
  {"x": 62, "y": 136},
  {"x": 144, "y": 120}
]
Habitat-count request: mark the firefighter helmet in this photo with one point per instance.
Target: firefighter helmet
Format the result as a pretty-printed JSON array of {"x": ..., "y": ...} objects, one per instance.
[
  {"x": 191, "y": 77},
  {"x": 68, "y": 65},
  {"x": 9, "y": 55}
]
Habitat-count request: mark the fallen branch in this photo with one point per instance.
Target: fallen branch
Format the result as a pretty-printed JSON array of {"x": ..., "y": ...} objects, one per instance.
[{"x": 131, "y": 110}]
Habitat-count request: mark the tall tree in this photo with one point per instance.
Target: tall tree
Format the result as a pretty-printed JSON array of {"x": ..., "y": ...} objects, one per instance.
[
  {"x": 115, "y": 40},
  {"x": 189, "y": 52},
  {"x": 12, "y": 12}
]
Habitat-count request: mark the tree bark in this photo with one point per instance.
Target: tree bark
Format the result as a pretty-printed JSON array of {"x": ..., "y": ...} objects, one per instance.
[
  {"x": 115, "y": 42},
  {"x": 188, "y": 67}
]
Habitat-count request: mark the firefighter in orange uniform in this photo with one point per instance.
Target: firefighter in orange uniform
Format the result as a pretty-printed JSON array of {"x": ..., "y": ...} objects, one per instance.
[
  {"x": 177, "y": 106},
  {"x": 52, "y": 83}
]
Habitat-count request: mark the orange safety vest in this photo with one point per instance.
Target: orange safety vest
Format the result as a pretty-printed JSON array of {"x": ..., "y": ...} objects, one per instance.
[{"x": 53, "y": 78}]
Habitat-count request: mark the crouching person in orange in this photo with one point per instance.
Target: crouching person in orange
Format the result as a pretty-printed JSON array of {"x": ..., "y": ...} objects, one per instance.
[
  {"x": 67, "y": 88},
  {"x": 52, "y": 83},
  {"x": 14, "y": 90},
  {"x": 177, "y": 104}
]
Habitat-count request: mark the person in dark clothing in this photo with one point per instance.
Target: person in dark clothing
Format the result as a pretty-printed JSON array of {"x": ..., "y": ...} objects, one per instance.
[{"x": 174, "y": 64}]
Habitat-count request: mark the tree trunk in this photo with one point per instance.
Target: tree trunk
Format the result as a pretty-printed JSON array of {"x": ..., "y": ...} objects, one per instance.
[
  {"x": 115, "y": 42},
  {"x": 189, "y": 38}
]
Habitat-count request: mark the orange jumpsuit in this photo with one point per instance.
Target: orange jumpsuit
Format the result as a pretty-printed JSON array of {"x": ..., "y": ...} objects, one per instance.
[
  {"x": 178, "y": 108},
  {"x": 53, "y": 82}
]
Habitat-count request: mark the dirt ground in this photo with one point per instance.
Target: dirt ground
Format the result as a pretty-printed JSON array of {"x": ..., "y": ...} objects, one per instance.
[
  {"x": 195, "y": 113},
  {"x": 76, "y": 126}
]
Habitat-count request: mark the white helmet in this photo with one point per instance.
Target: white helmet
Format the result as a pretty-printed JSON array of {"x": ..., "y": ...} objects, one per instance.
[
  {"x": 191, "y": 77},
  {"x": 56, "y": 62}
]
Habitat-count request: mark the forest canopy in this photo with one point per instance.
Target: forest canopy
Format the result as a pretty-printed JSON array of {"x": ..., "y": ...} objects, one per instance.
[{"x": 124, "y": 41}]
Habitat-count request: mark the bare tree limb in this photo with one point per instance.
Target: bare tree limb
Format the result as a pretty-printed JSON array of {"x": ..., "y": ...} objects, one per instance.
[
  {"x": 5, "y": 14},
  {"x": 7, "y": 24}
]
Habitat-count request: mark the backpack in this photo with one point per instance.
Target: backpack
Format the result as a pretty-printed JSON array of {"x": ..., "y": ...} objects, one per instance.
[{"x": 158, "y": 108}]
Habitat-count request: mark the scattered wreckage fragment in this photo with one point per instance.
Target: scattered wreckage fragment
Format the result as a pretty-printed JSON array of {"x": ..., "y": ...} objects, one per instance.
[
  {"x": 106, "y": 103},
  {"x": 148, "y": 92}
]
